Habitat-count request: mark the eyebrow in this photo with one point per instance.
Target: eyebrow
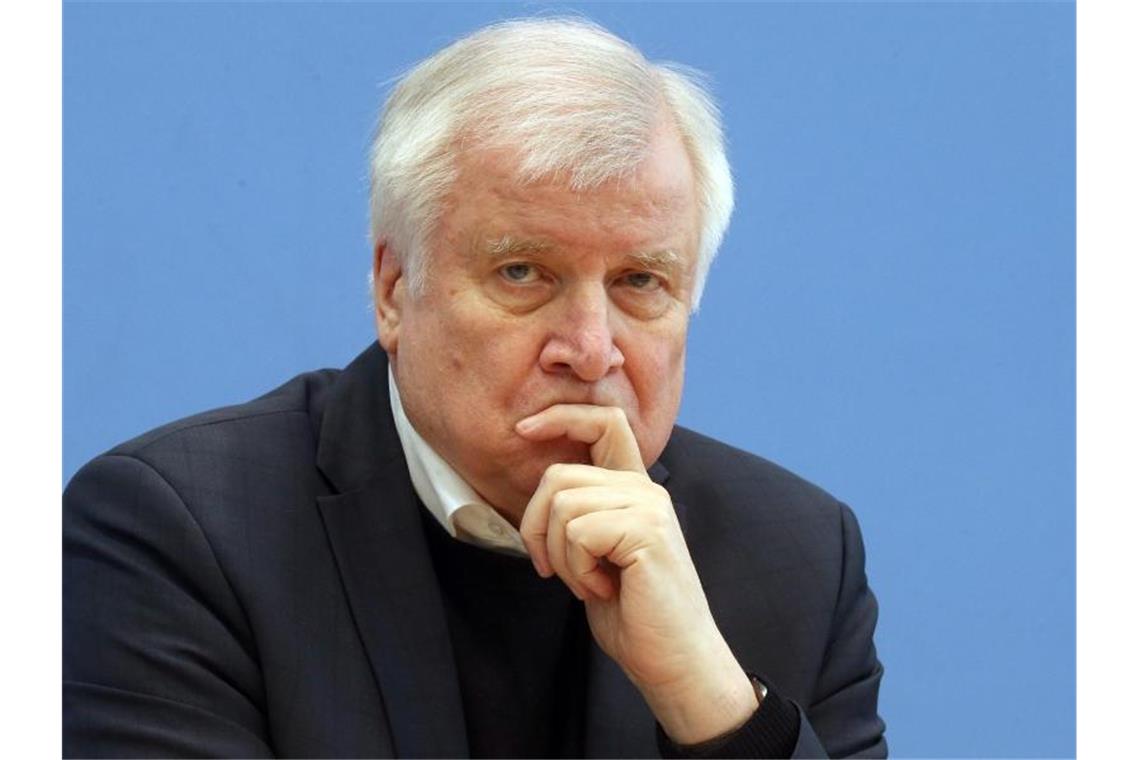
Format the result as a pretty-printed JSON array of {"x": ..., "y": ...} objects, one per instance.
[
  {"x": 507, "y": 246},
  {"x": 666, "y": 258}
]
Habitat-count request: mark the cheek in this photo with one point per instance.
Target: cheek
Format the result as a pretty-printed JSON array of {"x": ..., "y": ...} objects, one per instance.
[
  {"x": 661, "y": 360},
  {"x": 657, "y": 385},
  {"x": 491, "y": 357},
  {"x": 657, "y": 376}
]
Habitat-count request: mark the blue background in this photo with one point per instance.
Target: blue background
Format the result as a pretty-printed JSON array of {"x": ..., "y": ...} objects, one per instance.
[{"x": 892, "y": 314}]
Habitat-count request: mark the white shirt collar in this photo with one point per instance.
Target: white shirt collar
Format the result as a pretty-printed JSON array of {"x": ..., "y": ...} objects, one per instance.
[{"x": 449, "y": 498}]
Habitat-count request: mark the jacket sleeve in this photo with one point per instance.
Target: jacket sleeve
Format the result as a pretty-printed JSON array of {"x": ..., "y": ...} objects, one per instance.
[
  {"x": 843, "y": 718},
  {"x": 158, "y": 656}
]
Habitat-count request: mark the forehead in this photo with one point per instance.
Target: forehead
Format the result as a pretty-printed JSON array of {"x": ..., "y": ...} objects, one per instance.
[{"x": 652, "y": 208}]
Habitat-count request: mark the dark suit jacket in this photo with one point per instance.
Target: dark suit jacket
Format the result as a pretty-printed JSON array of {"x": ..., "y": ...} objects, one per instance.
[{"x": 255, "y": 581}]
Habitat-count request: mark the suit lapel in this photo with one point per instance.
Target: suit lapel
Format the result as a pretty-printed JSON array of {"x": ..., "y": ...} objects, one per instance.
[{"x": 374, "y": 527}]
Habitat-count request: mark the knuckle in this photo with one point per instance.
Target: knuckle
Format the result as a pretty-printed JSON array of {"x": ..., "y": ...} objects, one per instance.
[
  {"x": 531, "y": 534},
  {"x": 560, "y": 504},
  {"x": 573, "y": 532}
]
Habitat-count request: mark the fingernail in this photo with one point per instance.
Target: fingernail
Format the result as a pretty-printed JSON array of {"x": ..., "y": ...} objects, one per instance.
[{"x": 525, "y": 425}]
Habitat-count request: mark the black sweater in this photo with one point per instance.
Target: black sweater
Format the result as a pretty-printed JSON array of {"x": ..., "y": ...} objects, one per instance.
[{"x": 520, "y": 646}]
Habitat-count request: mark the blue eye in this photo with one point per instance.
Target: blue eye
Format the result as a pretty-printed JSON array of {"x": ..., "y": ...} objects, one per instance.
[
  {"x": 642, "y": 280},
  {"x": 519, "y": 273}
]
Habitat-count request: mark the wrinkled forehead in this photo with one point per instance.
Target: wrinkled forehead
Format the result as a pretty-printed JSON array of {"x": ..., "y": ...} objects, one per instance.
[
  {"x": 647, "y": 218},
  {"x": 660, "y": 172}
]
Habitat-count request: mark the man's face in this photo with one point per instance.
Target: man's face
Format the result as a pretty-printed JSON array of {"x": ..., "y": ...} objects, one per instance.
[{"x": 538, "y": 295}]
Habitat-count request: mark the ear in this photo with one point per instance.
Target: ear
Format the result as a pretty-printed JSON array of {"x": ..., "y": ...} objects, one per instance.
[{"x": 389, "y": 292}]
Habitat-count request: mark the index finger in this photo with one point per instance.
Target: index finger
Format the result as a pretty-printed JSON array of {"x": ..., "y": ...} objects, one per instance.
[{"x": 605, "y": 428}]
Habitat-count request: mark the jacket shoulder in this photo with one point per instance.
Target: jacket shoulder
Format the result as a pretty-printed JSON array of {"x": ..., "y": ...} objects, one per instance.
[
  {"x": 301, "y": 395},
  {"x": 709, "y": 471}
]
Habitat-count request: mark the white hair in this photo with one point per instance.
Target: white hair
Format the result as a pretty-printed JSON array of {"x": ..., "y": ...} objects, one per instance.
[{"x": 567, "y": 97}]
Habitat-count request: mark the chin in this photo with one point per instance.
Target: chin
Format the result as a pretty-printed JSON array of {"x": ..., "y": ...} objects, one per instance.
[
  {"x": 532, "y": 463},
  {"x": 561, "y": 450}
]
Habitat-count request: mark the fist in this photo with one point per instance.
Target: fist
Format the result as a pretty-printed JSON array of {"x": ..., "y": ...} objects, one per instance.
[{"x": 612, "y": 536}]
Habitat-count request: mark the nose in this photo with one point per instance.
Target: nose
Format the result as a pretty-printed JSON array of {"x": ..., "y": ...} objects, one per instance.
[{"x": 581, "y": 343}]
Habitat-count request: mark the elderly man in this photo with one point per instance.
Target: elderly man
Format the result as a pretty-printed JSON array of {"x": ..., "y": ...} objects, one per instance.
[{"x": 485, "y": 536}]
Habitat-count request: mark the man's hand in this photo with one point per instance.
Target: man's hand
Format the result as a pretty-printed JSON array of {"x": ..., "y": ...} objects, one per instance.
[{"x": 611, "y": 534}]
